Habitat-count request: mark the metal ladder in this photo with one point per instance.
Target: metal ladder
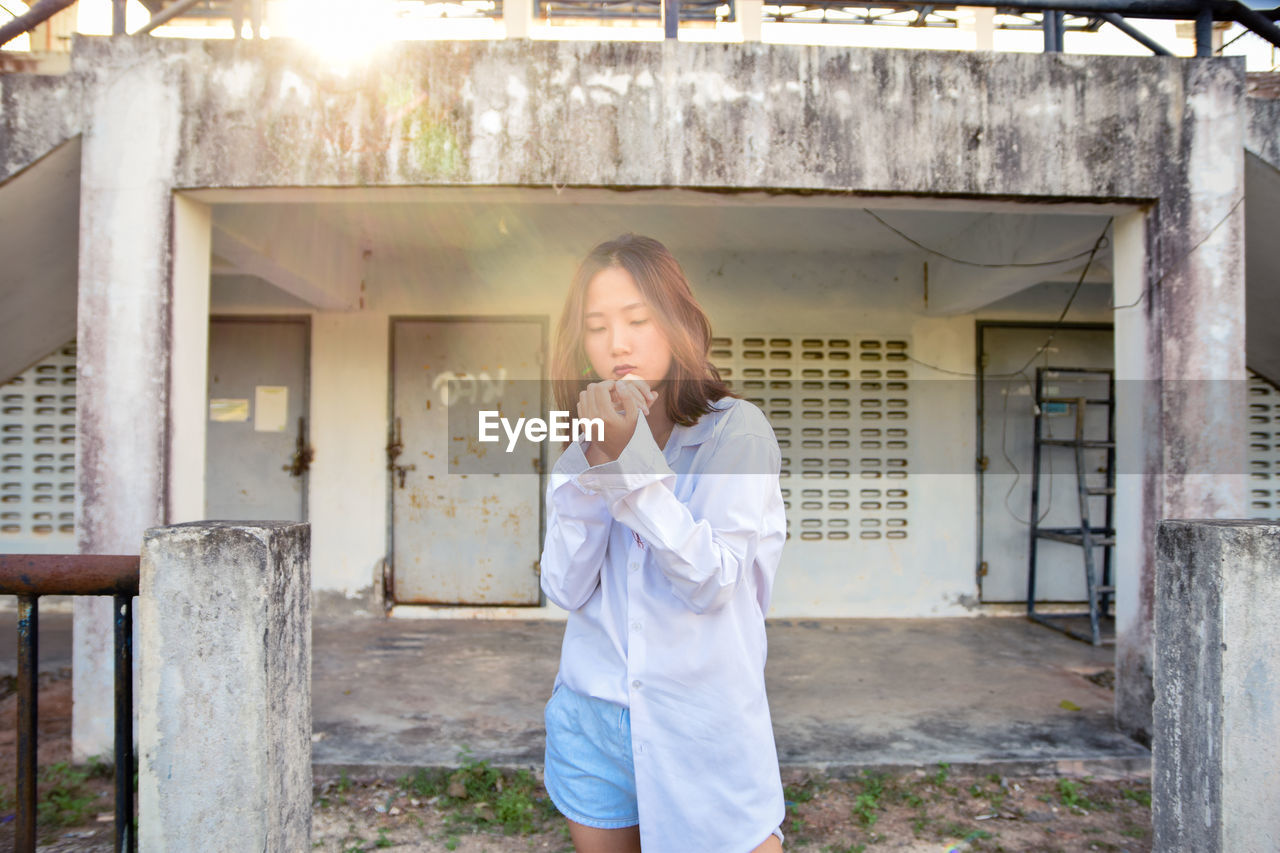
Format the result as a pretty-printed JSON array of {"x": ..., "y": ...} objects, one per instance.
[{"x": 1087, "y": 536}]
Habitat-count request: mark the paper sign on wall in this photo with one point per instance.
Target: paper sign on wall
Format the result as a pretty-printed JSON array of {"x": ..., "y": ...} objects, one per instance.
[
  {"x": 271, "y": 407},
  {"x": 229, "y": 411}
]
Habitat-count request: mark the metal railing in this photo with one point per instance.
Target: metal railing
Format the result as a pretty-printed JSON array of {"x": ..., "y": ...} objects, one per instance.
[{"x": 29, "y": 576}]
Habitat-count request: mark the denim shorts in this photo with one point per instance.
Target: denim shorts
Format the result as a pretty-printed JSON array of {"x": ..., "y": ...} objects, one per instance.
[{"x": 589, "y": 772}]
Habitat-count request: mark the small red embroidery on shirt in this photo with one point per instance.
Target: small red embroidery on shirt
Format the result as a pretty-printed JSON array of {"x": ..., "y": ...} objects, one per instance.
[{"x": 639, "y": 541}]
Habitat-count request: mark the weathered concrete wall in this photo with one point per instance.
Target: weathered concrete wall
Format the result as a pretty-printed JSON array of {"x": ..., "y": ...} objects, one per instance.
[
  {"x": 1262, "y": 136},
  {"x": 701, "y": 115},
  {"x": 1217, "y": 678},
  {"x": 1159, "y": 130},
  {"x": 1262, "y": 176},
  {"x": 38, "y": 113},
  {"x": 224, "y": 711}
]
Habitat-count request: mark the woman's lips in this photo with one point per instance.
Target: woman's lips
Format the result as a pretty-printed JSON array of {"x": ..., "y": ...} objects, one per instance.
[{"x": 623, "y": 370}]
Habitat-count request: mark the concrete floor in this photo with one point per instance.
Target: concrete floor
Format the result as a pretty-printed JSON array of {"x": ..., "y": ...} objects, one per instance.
[{"x": 845, "y": 694}]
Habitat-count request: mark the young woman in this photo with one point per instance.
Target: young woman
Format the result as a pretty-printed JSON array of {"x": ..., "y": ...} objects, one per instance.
[{"x": 663, "y": 540}]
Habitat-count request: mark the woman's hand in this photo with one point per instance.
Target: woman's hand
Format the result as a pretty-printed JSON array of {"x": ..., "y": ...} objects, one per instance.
[{"x": 618, "y": 404}]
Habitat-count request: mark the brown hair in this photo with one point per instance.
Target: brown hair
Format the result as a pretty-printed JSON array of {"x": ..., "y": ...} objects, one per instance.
[{"x": 695, "y": 380}]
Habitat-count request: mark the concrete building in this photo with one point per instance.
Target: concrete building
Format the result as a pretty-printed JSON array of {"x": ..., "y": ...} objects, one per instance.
[{"x": 257, "y": 255}]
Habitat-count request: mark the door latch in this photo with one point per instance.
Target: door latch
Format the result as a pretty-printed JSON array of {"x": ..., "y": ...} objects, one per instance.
[
  {"x": 302, "y": 453},
  {"x": 395, "y": 446}
]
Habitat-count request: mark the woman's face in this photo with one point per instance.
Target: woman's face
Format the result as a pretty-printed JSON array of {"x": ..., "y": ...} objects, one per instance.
[{"x": 621, "y": 334}]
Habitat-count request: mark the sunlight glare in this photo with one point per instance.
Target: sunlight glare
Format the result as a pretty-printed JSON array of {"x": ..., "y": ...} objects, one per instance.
[{"x": 342, "y": 33}]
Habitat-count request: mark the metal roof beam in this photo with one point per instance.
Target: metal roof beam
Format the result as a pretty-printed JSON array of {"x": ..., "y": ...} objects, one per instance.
[{"x": 1134, "y": 33}]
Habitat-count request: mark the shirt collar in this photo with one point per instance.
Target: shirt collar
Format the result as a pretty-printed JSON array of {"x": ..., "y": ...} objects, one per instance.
[{"x": 688, "y": 436}]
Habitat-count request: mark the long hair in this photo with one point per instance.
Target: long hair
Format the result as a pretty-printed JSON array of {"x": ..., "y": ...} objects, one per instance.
[{"x": 694, "y": 380}]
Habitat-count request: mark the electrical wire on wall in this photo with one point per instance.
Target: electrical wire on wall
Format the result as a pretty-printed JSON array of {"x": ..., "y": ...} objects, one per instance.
[
  {"x": 1040, "y": 352},
  {"x": 1055, "y": 326}
]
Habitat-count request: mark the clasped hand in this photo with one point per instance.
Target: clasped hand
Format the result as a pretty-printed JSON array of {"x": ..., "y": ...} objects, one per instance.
[{"x": 602, "y": 400}]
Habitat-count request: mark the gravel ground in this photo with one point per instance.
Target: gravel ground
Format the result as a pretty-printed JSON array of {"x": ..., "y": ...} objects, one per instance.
[
  {"x": 479, "y": 809},
  {"x": 919, "y": 811}
]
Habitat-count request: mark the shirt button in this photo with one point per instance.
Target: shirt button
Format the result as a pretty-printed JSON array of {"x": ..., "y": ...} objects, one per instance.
[
  {"x": 635, "y": 626},
  {"x": 636, "y": 684},
  {"x": 633, "y": 566}
]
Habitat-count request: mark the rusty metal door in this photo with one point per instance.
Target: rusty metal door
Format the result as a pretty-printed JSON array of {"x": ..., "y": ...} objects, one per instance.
[
  {"x": 463, "y": 538},
  {"x": 257, "y": 419}
]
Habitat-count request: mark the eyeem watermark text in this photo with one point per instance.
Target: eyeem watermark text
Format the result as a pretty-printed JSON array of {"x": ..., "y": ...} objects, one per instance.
[{"x": 561, "y": 427}]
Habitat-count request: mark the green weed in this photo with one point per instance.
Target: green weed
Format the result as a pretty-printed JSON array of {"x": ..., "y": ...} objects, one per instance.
[
  {"x": 63, "y": 800},
  {"x": 99, "y": 767},
  {"x": 477, "y": 795},
  {"x": 804, "y": 791},
  {"x": 867, "y": 802},
  {"x": 1069, "y": 793},
  {"x": 1140, "y": 796}
]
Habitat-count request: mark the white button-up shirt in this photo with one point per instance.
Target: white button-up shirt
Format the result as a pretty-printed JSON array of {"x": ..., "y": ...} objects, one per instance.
[{"x": 665, "y": 558}]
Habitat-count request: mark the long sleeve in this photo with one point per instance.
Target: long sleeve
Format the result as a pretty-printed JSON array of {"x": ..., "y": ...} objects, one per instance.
[
  {"x": 578, "y": 523},
  {"x": 709, "y": 545}
]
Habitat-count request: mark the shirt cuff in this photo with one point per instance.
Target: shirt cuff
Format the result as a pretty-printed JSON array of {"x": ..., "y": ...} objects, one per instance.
[
  {"x": 571, "y": 464},
  {"x": 640, "y": 464}
]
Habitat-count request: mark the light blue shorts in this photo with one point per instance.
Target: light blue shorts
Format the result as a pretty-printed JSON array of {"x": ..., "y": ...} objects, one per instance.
[{"x": 590, "y": 772}]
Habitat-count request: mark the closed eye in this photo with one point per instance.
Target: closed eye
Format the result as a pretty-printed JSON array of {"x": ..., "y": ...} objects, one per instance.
[{"x": 639, "y": 322}]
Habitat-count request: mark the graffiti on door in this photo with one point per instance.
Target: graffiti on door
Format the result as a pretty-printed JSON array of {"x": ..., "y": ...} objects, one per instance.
[{"x": 470, "y": 387}]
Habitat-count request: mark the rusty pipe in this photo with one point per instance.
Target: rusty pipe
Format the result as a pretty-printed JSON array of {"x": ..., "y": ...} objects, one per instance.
[{"x": 68, "y": 574}]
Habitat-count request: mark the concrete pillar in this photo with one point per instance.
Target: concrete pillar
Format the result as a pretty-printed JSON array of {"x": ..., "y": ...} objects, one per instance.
[
  {"x": 1192, "y": 313},
  {"x": 128, "y": 151},
  {"x": 224, "y": 710},
  {"x": 1139, "y": 454},
  {"x": 982, "y": 21},
  {"x": 189, "y": 358},
  {"x": 750, "y": 15},
  {"x": 1215, "y": 785},
  {"x": 984, "y": 28},
  {"x": 517, "y": 15}
]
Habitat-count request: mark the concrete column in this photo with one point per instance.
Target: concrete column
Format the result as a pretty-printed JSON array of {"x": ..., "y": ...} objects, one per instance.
[
  {"x": 128, "y": 151},
  {"x": 517, "y": 15},
  {"x": 1139, "y": 454},
  {"x": 984, "y": 28},
  {"x": 224, "y": 710},
  {"x": 1193, "y": 316},
  {"x": 189, "y": 358},
  {"x": 348, "y": 483},
  {"x": 1217, "y": 680},
  {"x": 750, "y": 16}
]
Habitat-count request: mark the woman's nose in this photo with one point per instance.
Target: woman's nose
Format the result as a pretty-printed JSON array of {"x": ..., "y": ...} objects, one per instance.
[{"x": 620, "y": 342}]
